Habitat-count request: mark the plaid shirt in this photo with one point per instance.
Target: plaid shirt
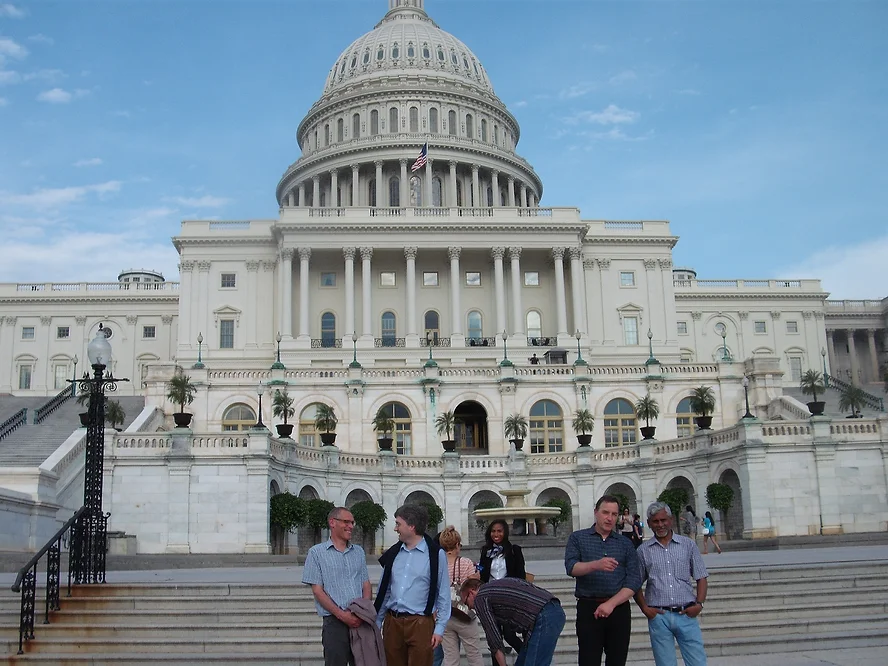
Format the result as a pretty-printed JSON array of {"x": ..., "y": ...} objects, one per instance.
[
  {"x": 587, "y": 546},
  {"x": 509, "y": 603},
  {"x": 671, "y": 570}
]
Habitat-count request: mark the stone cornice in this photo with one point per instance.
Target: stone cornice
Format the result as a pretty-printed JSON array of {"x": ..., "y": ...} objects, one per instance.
[
  {"x": 471, "y": 225},
  {"x": 116, "y": 297},
  {"x": 755, "y": 295},
  {"x": 182, "y": 241},
  {"x": 669, "y": 241}
]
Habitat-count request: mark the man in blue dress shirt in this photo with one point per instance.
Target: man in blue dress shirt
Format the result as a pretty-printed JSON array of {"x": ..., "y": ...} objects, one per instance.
[{"x": 413, "y": 599}]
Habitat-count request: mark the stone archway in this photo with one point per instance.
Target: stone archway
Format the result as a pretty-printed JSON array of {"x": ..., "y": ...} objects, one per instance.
[
  {"x": 624, "y": 491},
  {"x": 685, "y": 484},
  {"x": 276, "y": 535},
  {"x": 422, "y": 497},
  {"x": 543, "y": 526},
  {"x": 367, "y": 541},
  {"x": 307, "y": 536},
  {"x": 732, "y": 523},
  {"x": 470, "y": 432},
  {"x": 476, "y": 527}
]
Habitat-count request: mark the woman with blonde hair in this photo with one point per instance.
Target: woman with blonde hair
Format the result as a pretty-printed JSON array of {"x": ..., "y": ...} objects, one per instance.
[{"x": 459, "y": 629}]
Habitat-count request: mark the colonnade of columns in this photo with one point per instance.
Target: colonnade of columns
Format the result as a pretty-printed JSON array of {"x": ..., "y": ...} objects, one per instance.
[
  {"x": 412, "y": 324},
  {"x": 858, "y": 373},
  {"x": 343, "y": 187}
]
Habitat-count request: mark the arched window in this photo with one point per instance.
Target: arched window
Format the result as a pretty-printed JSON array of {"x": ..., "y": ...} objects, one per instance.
[
  {"x": 470, "y": 126},
  {"x": 414, "y": 119},
  {"x": 451, "y": 123},
  {"x": 356, "y": 126},
  {"x": 354, "y": 61},
  {"x": 534, "y": 323},
  {"x": 402, "y": 433},
  {"x": 684, "y": 418},
  {"x": 433, "y": 120},
  {"x": 327, "y": 134},
  {"x": 328, "y": 329},
  {"x": 454, "y": 59},
  {"x": 426, "y": 53},
  {"x": 371, "y": 193},
  {"x": 490, "y": 196},
  {"x": 340, "y": 130},
  {"x": 308, "y": 434},
  {"x": 380, "y": 52},
  {"x": 432, "y": 327},
  {"x": 374, "y": 122},
  {"x": 366, "y": 58},
  {"x": 459, "y": 199},
  {"x": 620, "y": 427},
  {"x": 441, "y": 56},
  {"x": 546, "y": 428},
  {"x": 316, "y": 146},
  {"x": 411, "y": 50},
  {"x": 483, "y": 130},
  {"x": 388, "y": 329},
  {"x": 394, "y": 192},
  {"x": 238, "y": 417},
  {"x": 437, "y": 192},
  {"x": 495, "y": 134},
  {"x": 393, "y": 120},
  {"x": 474, "y": 325},
  {"x": 396, "y": 52},
  {"x": 416, "y": 192}
]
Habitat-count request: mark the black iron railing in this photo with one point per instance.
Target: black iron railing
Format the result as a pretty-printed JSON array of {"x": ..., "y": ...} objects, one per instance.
[
  {"x": 481, "y": 342},
  {"x": 85, "y": 532},
  {"x": 389, "y": 342},
  {"x": 434, "y": 342},
  {"x": 326, "y": 343},
  {"x": 542, "y": 341},
  {"x": 870, "y": 400},
  {"x": 48, "y": 408},
  {"x": 20, "y": 418}
]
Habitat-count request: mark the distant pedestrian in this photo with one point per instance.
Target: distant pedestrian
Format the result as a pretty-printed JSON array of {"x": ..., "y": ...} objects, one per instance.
[
  {"x": 626, "y": 525},
  {"x": 637, "y": 530},
  {"x": 460, "y": 630},
  {"x": 689, "y": 520},
  {"x": 337, "y": 573},
  {"x": 709, "y": 533},
  {"x": 413, "y": 599},
  {"x": 671, "y": 563},
  {"x": 521, "y": 607},
  {"x": 500, "y": 558}
]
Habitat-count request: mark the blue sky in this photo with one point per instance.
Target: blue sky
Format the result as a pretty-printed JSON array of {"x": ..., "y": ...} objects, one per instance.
[{"x": 756, "y": 127}]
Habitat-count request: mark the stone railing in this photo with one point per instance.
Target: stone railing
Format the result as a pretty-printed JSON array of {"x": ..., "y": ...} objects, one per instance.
[
  {"x": 567, "y": 458},
  {"x": 857, "y": 307},
  {"x": 675, "y": 446},
  {"x": 783, "y": 403},
  {"x": 51, "y": 289},
  {"x": 544, "y": 370},
  {"x": 786, "y": 431},
  {"x": 153, "y": 441},
  {"x": 251, "y": 375},
  {"x": 800, "y": 285},
  {"x": 854, "y": 429},
  {"x": 616, "y": 453},
  {"x": 483, "y": 462}
]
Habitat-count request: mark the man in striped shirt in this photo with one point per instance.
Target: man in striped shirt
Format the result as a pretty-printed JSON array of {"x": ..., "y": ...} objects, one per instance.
[
  {"x": 671, "y": 563},
  {"x": 521, "y": 607}
]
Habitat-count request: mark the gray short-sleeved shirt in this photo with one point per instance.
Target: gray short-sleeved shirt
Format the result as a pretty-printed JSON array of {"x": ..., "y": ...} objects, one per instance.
[{"x": 342, "y": 574}]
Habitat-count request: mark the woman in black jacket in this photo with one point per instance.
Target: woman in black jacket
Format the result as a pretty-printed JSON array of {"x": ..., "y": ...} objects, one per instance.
[{"x": 499, "y": 557}]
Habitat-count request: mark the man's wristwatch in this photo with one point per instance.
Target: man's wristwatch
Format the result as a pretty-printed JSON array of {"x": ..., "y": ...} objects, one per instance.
[{"x": 699, "y": 603}]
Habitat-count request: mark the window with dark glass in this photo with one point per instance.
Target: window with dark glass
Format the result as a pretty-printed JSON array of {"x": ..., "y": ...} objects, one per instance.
[
  {"x": 328, "y": 330},
  {"x": 388, "y": 329}
]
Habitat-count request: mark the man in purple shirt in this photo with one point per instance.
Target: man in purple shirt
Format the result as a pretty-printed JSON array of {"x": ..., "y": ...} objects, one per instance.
[{"x": 671, "y": 564}]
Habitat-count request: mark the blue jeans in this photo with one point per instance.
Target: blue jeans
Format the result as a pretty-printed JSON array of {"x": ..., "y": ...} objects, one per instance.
[
  {"x": 666, "y": 629},
  {"x": 540, "y": 646},
  {"x": 438, "y": 656}
]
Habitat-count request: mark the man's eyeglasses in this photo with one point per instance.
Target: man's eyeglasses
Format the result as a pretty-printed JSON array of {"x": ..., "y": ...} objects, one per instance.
[{"x": 347, "y": 522}]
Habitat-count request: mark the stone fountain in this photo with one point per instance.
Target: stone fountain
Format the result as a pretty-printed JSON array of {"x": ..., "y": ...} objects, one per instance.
[{"x": 516, "y": 508}]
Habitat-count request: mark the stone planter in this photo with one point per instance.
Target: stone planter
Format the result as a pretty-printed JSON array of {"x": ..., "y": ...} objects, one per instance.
[
  {"x": 182, "y": 419},
  {"x": 584, "y": 440},
  {"x": 385, "y": 443},
  {"x": 449, "y": 445},
  {"x": 328, "y": 438},
  {"x": 703, "y": 422},
  {"x": 284, "y": 430},
  {"x": 648, "y": 431},
  {"x": 84, "y": 419},
  {"x": 518, "y": 444},
  {"x": 816, "y": 408}
]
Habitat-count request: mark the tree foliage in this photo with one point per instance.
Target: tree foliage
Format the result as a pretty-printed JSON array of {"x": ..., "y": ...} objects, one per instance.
[
  {"x": 515, "y": 426},
  {"x": 558, "y": 518},
  {"x": 325, "y": 419},
  {"x": 288, "y": 511},
  {"x": 675, "y": 498},
  {"x": 853, "y": 399},
  {"x": 436, "y": 515},
  {"x": 445, "y": 424},
  {"x": 646, "y": 409},
  {"x": 317, "y": 511},
  {"x": 369, "y": 516},
  {"x": 485, "y": 504},
  {"x": 583, "y": 422},
  {"x": 282, "y": 405},
  {"x": 702, "y": 401},
  {"x": 719, "y": 496},
  {"x": 180, "y": 390},
  {"x": 114, "y": 413},
  {"x": 812, "y": 383}
]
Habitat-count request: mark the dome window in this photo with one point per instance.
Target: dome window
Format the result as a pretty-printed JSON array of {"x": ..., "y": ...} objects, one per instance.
[
  {"x": 396, "y": 52},
  {"x": 411, "y": 50},
  {"x": 342, "y": 68},
  {"x": 433, "y": 120},
  {"x": 380, "y": 53},
  {"x": 454, "y": 59},
  {"x": 475, "y": 65},
  {"x": 441, "y": 55},
  {"x": 426, "y": 53},
  {"x": 354, "y": 61},
  {"x": 465, "y": 61},
  {"x": 366, "y": 57},
  {"x": 374, "y": 122}
]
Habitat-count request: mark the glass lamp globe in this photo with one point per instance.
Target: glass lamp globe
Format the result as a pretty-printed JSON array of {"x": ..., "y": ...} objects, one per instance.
[{"x": 99, "y": 349}]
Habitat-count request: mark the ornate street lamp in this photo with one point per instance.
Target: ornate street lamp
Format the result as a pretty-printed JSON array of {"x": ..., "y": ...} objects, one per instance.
[
  {"x": 259, "y": 391},
  {"x": 74, "y": 382},
  {"x": 825, "y": 376},
  {"x": 722, "y": 330},
  {"x": 354, "y": 363},
  {"x": 277, "y": 365},
  {"x": 199, "y": 365},
  {"x": 651, "y": 360},
  {"x": 579, "y": 360},
  {"x": 505, "y": 362},
  {"x": 748, "y": 414},
  {"x": 88, "y": 540}
]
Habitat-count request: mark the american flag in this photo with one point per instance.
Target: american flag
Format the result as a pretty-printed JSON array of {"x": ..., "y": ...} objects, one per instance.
[{"x": 421, "y": 160}]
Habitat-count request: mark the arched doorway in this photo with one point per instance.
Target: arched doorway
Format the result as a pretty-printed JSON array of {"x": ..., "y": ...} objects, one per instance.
[
  {"x": 732, "y": 523},
  {"x": 543, "y": 526},
  {"x": 422, "y": 497},
  {"x": 367, "y": 541},
  {"x": 307, "y": 536},
  {"x": 486, "y": 498},
  {"x": 684, "y": 484},
  {"x": 626, "y": 495},
  {"x": 471, "y": 428}
]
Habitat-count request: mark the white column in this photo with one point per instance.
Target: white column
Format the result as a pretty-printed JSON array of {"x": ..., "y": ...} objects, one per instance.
[
  {"x": 874, "y": 358},
  {"x": 203, "y": 293},
  {"x": 511, "y": 192},
  {"x": 253, "y": 288},
  {"x": 356, "y": 200},
  {"x": 410, "y": 256},
  {"x": 316, "y": 192},
  {"x": 560, "y": 295},
  {"x": 366, "y": 286},
  {"x": 290, "y": 198},
  {"x": 334, "y": 187},
  {"x": 427, "y": 202},
  {"x": 286, "y": 281},
  {"x": 302, "y": 195},
  {"x": 831, "y": 348},
  {"x": 576, "y": 287},
  {"x": 404, "y": 184},
  {"x": 523, "y": 196},
  {"x": 455, "y": 287},
  {"x": 855, "y": 362},
  {"x": 349, "y": 254},
  {"x": 497, "y": 253},
  {"x": 379, "y": 190},
  {"x": 517, "y": 309},
  {"x": 186, "y": 278},
  {"x": 304, "y": 256},
  {"x": 451, "y": 186},
  {"x": 494, "y": 187},
  {"x": 476, "y": 189}
]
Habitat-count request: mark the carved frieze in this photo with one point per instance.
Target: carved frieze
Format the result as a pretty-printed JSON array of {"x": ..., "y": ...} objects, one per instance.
[
  {"x": 650, "y": 264},
  {"x": 253, "y": 266},
  {"x": 46, "y": 321},
  {"x": 166, "y": 319}
]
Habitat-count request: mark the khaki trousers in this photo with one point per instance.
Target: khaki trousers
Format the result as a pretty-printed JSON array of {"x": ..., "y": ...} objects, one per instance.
[
  {"x": 467, "y": 633},
  {"x": 408, "y": 640}
]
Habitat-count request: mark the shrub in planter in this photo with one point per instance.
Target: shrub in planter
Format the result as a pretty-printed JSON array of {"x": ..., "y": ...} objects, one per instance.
[
  {"x": 325, "y": 423},
  {"x": 384, "y": 423},
  {"x": 282, "y": 407},
  {"x": 445, "y": 424},
  {"x": 583, "y": 423},
  {"x": 812, "y": 383},
  {"x": 180, "y": 391},
  {"x": 515, "y": 429},
  {"x": 114, "y": 414},
  {"x": 702, "y": 401},
  {"x": 647, "y": 408}
]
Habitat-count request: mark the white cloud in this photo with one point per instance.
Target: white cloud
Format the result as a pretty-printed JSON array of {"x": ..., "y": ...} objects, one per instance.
[
  {"x": 9, "y": 77},
  {"x": 47, "y": 75},
  {"x": 41, "y": 39},
  {"x": 206, "y": 201},
  {"x": 60, "y": 96},
  {"x": 520, "y": 104},
  {"x": 854, "y": 271},
  {"x": 51, "y": 198},
  {"x": 577, "y": 90},
  {"x": 92, "y": 161},
  {"x": 623, "y": 77},
  {"x": 8, "y": 10},
  {"x": 12, "y": 49},
  {"x": 612, "y": 115}
]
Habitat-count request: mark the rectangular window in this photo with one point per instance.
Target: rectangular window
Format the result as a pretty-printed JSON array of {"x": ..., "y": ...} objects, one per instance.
[
  {"x": 795, "y": 368},
  {"x": 630, "y": 330},
  {"x": 627, "y": 278},
  {"x": 531, "y": 279},
  {"x": 149, "y": 332},
  {"x": 226, "y": 334},
  {"x": 792, "y": 327},
  {"x": 682, "y": 328},
  {"x": 60, "y": 375},
  {"x": 328, "y": 279},
  {"x": 473, "y": 279},
  {"x": 27, "y": 332},
  {"x": 63, "y": 332},
  {"x": 387, "y": 279},
  {"x": 430, "y": 279},
  {"x": 760, "y": 327},
  {"x": 229, "y": 280},
  {"x": 24, "y": 376}
]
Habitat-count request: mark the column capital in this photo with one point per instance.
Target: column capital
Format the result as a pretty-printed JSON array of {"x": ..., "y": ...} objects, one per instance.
[
  {"x": 589, "y": 264},
  {"x": 334, "y": 172},
  {"x": 187, "y": 266},
  {"x": 453, "y": 252},
  {"x": 410, "y": 252},
  {"x": 402, "y": 162},
  {"x": 775, "y": 314},
  {"x": 204, "y": 266},
  {"x": 378, "y": 163},
  {"x": 166, "y": 319},
  {"x": 575, "y": 252},
  {"x": 366, "y": 253},
  {"x": 452, "y": 164},
  {"x": 349, "y": 253},
  {"x": 515, "y": 252},
  {"x": 743, "y": 314},
  {"x": 871, "y": 332},
  {"x": 253, "y": 266},
  {"x": 269, "y": 265},
  {"x": 494, "y": 173},
  {"x": 603, "y": 263},
  {"x": 130, "y": 319},
  {"x": 287, "y": 253},
  {"x": 498, "y": 252},
  {"x": 355, "y": 167},
  {"x": 511, "y": 180},
  {"x": 558, "y": 253},
  {"x": 46, "y": 321},
  {"x": 650, "y": 264},
  {"x": 316, "y": 178},
  {"x": 475, "y": 169},
  {"x": 80, "y": 320},
  {"x": 304, "y": 253},
  {"x": 665, "y": 263}
]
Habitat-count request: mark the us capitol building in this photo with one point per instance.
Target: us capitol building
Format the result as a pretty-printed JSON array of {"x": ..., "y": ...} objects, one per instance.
[{"x": 424, "y": 288}]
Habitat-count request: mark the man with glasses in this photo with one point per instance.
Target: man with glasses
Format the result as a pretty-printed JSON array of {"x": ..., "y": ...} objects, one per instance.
[{"x": 337, "y": 573}]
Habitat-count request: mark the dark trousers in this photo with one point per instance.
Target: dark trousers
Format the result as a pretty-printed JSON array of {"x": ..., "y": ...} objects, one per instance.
[
  {"x": 609, "y": 635},
  {"x": 334, "y": 638}
]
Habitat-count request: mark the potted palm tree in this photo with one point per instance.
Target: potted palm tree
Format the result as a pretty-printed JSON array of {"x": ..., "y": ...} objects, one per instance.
[
  {"x": 180, "y": 391},
  {"x": 445, "y": 424},
  {"x": 702, "y": 401},
  {"x": 647, "y": 408},
  {"x": 515, "y": 429},
  {"x": 811, "y": 383},
  {"x": 114, "y": 414},
  {"x": 853, "y": 399},
  {"x": 384, "y": 423},
  {"x": 282, "y": 407},
  {"x": 325, "y": 422},
  {"x": 583, "y": 423}
]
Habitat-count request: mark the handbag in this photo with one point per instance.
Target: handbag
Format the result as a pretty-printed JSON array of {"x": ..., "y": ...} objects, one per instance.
[
  {"x": 458, "y": 609},
  {"x": 706, "y": 531}
]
